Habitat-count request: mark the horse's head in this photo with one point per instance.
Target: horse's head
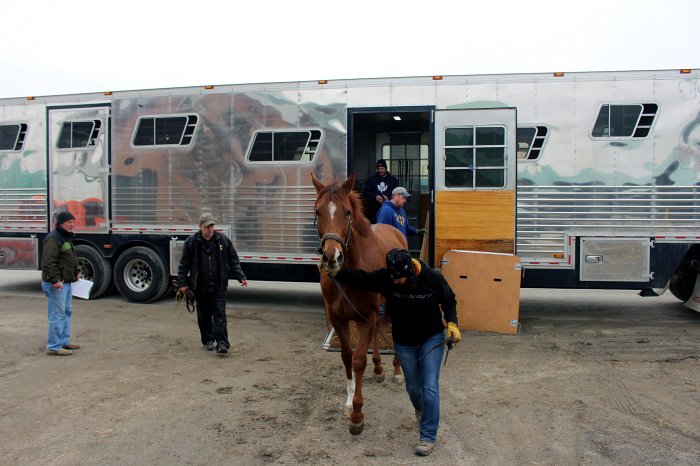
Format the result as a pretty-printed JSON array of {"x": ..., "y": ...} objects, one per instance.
[{"x": 334, "y": 211}]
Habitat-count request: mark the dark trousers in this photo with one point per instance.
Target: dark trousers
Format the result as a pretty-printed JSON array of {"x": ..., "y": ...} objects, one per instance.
[{"x": 211, "y": 315}]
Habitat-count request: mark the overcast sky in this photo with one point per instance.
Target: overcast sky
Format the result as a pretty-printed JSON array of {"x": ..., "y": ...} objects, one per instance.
[{"x": 71, "y": 46}]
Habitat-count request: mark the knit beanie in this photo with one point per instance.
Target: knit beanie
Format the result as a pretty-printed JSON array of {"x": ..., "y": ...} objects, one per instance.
[{"x": 63, "y": 217}]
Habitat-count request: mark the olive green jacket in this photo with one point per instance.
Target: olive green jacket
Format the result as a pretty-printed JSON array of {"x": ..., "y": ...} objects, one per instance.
[{"x": 58, "y": 259}]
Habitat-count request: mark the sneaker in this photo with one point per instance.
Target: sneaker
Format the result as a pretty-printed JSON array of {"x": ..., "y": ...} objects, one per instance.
[
  {"x": 424, "y": 448},
  {"x": 221, "y": 350},
  {"x": 210, "y": 345},
  {"x": 59, "y": 352},
  {"x": 419, "y": 414},
  {"x": 71, "y": 346}
]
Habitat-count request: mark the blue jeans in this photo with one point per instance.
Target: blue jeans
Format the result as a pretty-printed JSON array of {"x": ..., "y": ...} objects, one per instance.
[
  {"x": 421, "y": 369},
  {"x": 60, "y": 311}
]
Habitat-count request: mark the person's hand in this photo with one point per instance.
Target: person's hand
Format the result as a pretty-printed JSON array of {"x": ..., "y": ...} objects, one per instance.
[
  {"x": 453, "y": 332},
  {"x": 379, "y": 198},
  {"x": 421, "y": 231},
  {"x": 58, "y": 285},
  {"x": 244, "y": 282},
  {"x": 182, "y": 289}
]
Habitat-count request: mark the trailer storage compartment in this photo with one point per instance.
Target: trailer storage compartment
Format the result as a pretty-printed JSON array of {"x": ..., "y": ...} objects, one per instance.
[{"x": 615, "y": 259}]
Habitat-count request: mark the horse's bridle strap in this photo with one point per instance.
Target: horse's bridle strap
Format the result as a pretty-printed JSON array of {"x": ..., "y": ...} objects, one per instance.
[{"x": 336, "y": 237}]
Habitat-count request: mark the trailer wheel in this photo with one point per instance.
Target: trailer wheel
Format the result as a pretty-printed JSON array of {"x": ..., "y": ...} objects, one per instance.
[
  {"x": 140, "y": 275},
  {"x": 94, "y": 267},
  {"x": 683, "y": 280}
]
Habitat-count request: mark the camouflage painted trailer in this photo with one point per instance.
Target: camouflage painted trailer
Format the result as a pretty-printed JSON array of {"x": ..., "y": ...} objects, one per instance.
[{"x": 590, "y": 178}]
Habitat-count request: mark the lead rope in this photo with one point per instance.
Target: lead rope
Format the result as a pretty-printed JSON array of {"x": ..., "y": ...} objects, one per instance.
[{"x": 188, "y": 298}]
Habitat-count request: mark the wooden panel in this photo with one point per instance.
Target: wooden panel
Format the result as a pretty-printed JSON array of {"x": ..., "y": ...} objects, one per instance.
[
  {"x": 474, "y": 220},
  {"x": 487, "y": 287}
]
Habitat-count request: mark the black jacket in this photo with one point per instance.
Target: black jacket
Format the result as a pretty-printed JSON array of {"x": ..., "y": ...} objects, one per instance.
[
  {"x": 378, "y": 185},
  {"x": 58, "y": 259},
  {"x": 229, "y": 265},
  {"x": 414, "y": 307}
]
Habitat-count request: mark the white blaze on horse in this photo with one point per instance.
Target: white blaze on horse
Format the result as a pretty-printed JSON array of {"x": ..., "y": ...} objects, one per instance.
[{"x": 349, "y": 240}]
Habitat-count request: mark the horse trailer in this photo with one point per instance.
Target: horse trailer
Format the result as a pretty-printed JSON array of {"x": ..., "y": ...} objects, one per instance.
[{"x": 591, "y": 178}]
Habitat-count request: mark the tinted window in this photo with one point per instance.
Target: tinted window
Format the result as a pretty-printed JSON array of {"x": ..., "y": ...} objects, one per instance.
[
  {"x": 284, "y": 146},
  {"x": 165, "y": 131},
  {"x": 624, "y": 121},
  {"x": 12, "y": 136},
  {"x": 79, "y": 134}
]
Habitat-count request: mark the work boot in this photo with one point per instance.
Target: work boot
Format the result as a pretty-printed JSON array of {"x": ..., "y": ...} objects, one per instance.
[
  {"x": 221, "y": 349},
  {"x": 210, "y": 345},
  {"x": 71, "y": 346},
  {"x": 424, "y": 448},
  {"x": 59, "y": 352}
]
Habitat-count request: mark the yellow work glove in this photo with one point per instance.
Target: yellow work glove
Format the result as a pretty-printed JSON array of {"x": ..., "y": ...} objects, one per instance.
[{"x": 453, "y": 332}]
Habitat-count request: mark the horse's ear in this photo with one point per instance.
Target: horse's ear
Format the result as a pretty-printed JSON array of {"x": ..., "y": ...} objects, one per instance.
[
  {"x": 349, "y": 183},
  {"x": 319, "y": 186}
]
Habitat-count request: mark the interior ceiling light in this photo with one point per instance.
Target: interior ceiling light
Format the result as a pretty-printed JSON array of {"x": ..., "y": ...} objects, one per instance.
[{"x": 397, "y": 118}]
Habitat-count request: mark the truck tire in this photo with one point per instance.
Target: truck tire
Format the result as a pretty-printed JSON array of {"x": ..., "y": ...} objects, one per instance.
[
  {"x": 683, "y": 280},
  {"x": 94, "y": 267},
  {"x": 140, "y": 275}
]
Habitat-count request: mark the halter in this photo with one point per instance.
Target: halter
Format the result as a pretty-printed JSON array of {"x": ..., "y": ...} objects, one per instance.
[{"x": 336, "y": 237}]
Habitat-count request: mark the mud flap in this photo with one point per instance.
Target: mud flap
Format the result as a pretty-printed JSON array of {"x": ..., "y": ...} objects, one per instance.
[{"x": 694, "y": 301}]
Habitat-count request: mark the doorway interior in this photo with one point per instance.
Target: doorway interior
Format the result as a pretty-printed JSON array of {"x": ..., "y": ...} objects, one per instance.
[{"x": 403, "y": 137}]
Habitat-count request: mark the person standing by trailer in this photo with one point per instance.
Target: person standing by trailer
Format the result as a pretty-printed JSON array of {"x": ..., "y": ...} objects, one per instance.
[
  {"x": 416, "y": 298},
  {"x": 392, "y": 213},
  {"x": 59, "y": 269},
  {"x": 378, "y": 189},
  {"x": 208, "y": 261}
]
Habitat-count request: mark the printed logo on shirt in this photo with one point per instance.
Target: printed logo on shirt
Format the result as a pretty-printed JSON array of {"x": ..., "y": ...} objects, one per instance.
[
  {"x": 382, "y": 187},
  {"x": 401, "y": 220},
  {"x": 396, "y": 294}
]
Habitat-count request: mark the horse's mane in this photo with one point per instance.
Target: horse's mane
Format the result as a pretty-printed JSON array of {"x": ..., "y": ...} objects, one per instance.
[{"x": 360, "y": 222}]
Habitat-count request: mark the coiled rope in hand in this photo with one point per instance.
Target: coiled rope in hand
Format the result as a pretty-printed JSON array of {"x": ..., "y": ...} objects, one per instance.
[{"x": 186, "y": 297}]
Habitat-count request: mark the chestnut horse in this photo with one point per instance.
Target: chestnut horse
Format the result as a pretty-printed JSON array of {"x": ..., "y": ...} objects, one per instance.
[{"x": 349, "y": 240}]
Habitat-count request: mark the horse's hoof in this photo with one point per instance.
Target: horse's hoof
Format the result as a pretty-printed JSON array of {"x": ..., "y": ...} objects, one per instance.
[
  {"x": 397, "y": 379},
  {"x": 379, "y": 378},
  {"x": 356, "y": 429}
]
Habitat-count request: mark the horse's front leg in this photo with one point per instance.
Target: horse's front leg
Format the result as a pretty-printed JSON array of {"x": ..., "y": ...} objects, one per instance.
[
  {"x": 341, "y": 329},
  {"x": 359, "y": 363}
]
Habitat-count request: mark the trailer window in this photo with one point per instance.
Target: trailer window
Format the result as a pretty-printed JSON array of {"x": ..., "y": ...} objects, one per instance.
[
  {"x": 12, "y": 136},
  {"x": 475, "y": 157},
  {"x": 165, "y": 131},
  {"x": 624, "y": 121},
  {"x": 284, "y": 146},
  {"x": 79, "y": 134},
  {"x": 530, "y": 142}
]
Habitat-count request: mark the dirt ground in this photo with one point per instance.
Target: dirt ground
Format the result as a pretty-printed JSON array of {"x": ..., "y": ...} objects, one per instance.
[{"x": 593, "y": 378}]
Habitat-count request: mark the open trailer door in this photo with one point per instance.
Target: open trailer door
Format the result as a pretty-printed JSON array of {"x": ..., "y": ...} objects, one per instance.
[{"x": 474, "y": 179}]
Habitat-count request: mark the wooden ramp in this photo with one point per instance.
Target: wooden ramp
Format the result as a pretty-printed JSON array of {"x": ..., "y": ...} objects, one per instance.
[{"x": 487, "y": 286}]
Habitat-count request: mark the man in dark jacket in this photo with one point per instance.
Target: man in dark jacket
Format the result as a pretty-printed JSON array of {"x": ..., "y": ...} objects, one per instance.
[
  {"x": 416, "y": 298},
  {"x": 59, "y": 269},
  {"x": 378, "y": 189},
  {"x": 210, "y": 259}
]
